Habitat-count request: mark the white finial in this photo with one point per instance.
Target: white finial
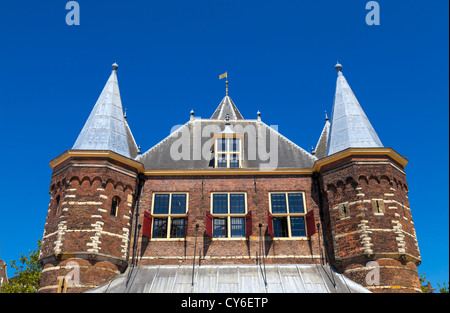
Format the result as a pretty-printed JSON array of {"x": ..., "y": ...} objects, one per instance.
[
  {"x": 338, "y": 67},
  {"x": 259, "y": 115},
  {"x": 192, "y": 114},
  {"x": 115, "y": 66}
]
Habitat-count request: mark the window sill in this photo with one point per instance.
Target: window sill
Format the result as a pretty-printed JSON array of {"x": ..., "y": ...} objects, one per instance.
[{"x": 289, "y": 238}]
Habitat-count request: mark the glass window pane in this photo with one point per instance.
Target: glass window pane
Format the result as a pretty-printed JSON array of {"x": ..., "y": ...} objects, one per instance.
[
  {"x": 178, "y": 204},
  {"x": 221, "y": 145},
  {"x": 221, "y": 160},
  {"x": 234, "y": 160},
  {"x": 278, "y": 203},
  {"x": 296, "y": 203},
  {"x": 177, "y": 228},
  {"x": 161, "y": 205},
  {"x": 160, "y": 228},
  {"x": 235, "y": 145},
  {"x": 280, "y": 227},
  {"x": 237, "y": 227},
  {"x": 220, "y": 227},
  {"x": 237, "y": 203},
  {"x": 220, "y": 204},
  {"x": 298, "y": 227}
]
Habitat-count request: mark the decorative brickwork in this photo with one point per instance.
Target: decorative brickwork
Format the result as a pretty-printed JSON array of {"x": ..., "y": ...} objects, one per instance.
[
  {"x": 80, "y": 226},
  {"x": 379, "y": 226}
]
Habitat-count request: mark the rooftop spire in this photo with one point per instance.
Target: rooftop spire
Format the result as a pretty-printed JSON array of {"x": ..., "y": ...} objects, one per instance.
[
  {"x": 226, "y": 106},
  {"x": 105, "y": 128},
  {"x": 350, "y": 127}
]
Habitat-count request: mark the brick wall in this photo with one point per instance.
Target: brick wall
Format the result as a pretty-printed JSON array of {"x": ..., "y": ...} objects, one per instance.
[
  {"x": 232, "y": 251},
  {"x": 377, "y": 224},
  {"x": 80, "y": 227}
]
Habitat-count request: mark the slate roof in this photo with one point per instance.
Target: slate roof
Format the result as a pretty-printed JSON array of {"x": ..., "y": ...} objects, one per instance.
[
  {"x": 289, "y": 278},
  {"x": 350, "y": 127},
  {"x": 106, "y": 128},
  {"x": 264, "y": 147},
  {"x": 227, "y": 107},
  {"x": 321, "y": 147}
]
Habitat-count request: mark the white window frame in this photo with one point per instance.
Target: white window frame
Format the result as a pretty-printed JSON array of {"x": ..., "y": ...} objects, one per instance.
[{"x": 228, "y": 153}]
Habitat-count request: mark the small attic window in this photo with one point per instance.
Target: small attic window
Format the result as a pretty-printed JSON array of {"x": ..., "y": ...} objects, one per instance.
[{"x": 228, "y": 152}]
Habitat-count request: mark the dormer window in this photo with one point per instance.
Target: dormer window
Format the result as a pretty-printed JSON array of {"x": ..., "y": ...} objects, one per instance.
[{"x": 228, "y": 152}]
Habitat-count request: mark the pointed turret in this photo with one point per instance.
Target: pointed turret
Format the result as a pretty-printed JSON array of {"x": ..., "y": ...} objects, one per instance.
[
  {"x": 106, "y": 127},
  {"x": 321, "y": 147},
  {"x": 227, "y": 107},
  {"x": 350, "y": 127}
]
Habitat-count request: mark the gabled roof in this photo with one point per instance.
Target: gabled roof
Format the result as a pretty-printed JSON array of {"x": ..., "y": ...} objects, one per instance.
[
  {"x": 350, "y": 127},
  {"x": 106, "y": 129}
]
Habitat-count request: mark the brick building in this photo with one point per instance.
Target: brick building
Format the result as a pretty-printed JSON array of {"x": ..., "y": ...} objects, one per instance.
[{"x": 228, "y": 204}]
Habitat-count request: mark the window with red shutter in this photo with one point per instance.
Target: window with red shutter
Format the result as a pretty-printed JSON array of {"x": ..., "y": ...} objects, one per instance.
[
  {"x": 310, "y": 223},
  {"x": 209, "y": 224},
  {"x": 147, "y": 225},
  {"x": 248, "y": 224},
  {"x": 269, "y": 223}
]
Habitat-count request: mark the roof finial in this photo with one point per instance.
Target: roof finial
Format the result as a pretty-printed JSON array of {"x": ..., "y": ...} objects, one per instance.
[
  {"x": 338, "y": 67},
  {"x": 139, "y": 150},
  {"x": 259, "y": 116},
  {"x": 226, "y": 92},
  {"x": 192, "y": 114},
  {"x": 326, "y": 116},
  {"x": 115, "y": 66},
  {"x": 125, "y": 114}
]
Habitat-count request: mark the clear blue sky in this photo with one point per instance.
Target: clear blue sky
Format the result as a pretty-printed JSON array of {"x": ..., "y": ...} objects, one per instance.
[{"x": 280, "y": 57}]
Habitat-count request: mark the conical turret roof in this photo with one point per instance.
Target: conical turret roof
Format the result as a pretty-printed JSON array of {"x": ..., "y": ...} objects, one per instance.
[
  {"x": 106, "y": 128},
  {"x": 350, "y": 127}
]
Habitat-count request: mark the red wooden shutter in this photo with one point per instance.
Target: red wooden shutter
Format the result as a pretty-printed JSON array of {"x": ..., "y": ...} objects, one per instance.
[
  {"x": 186, "y": 224},
  {"x": 270, "y": 223},
  {"x": 310, "y": 223},
  {"x": 147, "y": 226},
  {"x": 248, "y": 224},
  {"x": 209, "y": 224}
]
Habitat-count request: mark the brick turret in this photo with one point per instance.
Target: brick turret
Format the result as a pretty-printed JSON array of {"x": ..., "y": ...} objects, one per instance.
[
  {"x": 89, "y": 222},
  {"x": 87, "y": 234},
  {"x": 368, "y": 219}
]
